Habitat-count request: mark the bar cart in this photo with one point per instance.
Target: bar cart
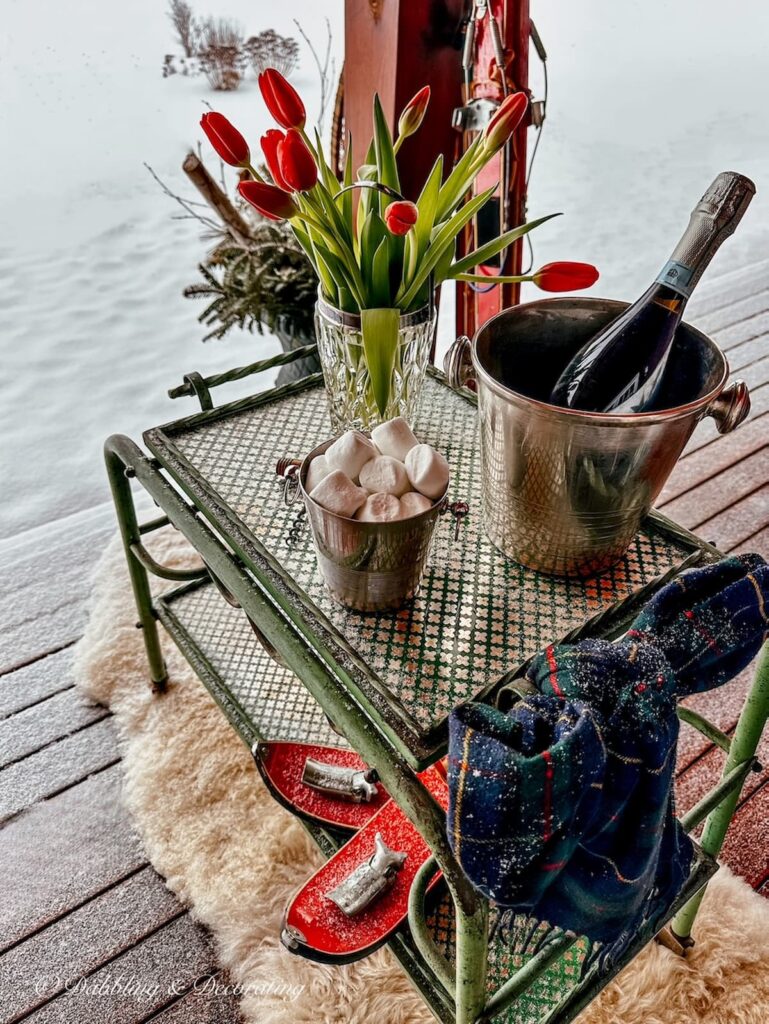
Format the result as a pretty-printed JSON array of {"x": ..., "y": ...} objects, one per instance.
[{"x": 283, "y": 661}]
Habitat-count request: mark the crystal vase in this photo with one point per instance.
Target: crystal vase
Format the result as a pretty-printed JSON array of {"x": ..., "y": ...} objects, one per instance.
[{"x": 351, "y": 400}]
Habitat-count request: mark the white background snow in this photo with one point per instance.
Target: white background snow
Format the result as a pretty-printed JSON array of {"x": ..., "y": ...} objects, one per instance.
[{"x": 648, "y": 101}]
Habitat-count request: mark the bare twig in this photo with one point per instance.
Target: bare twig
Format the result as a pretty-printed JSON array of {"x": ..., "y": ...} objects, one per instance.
[
  {"x": 326, "y": 69},
  {"x": 188, "y": 205}
]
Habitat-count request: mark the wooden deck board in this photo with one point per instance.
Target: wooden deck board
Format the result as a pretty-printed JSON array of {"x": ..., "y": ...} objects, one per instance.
[
  {"x": 712, "y": 459},
  {"x": 44, "y": 585},
  {"x": 49, "y": 720},
  {"x": 738, "y": 522},
  {"x": 57, "y": 767},
  {"x": 79, "y": 943},
  {"x": 35, "y": 682},
  {"x": 705, "y": 500},
  {"x": 202, "y": 1006},
  {"x": 61, "y": 853},
  {"x": 140, "y": 981}
]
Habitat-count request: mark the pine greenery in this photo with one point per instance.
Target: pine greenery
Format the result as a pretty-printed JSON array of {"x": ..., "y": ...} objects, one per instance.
[{"x": 270, "y": 284}]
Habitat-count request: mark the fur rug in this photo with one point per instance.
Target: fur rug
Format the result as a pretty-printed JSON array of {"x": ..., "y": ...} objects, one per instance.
[{"x": 234, "y": 856}]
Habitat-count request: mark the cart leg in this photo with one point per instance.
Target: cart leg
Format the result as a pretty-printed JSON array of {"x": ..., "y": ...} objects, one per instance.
[
  {"x": 747, "y": 735},
  {"x": 472, "y": 952},
  {"x": 129, "y": 531}
]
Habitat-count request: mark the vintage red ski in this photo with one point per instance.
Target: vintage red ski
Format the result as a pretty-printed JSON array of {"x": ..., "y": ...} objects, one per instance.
[{"x": 354, "y": 903}]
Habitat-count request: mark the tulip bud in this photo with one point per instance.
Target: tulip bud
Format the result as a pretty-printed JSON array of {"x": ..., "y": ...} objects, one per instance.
[
  {"x": 271, "y": 142},
  {"x": 565, "y": 276},
  {"x": 226, "y": 139},
  {"x": 368, "y": 172},
  {"x": 400, "y": 217},
  {"x": 282, "y": 99},
  {"x": 504, "y": 122},
  {"x": 297, "y": 164},
  {"x": 272, "y": 202},
  {"x": 413, "y": 113}
]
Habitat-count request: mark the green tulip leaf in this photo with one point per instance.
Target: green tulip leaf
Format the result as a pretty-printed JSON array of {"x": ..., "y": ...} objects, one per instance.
[
  {"x": 380, "y": 274},
  {"x": 491, "y": 249},
  {"x": 383, "y": 146},
  {"x": 380, "y": 341},
  {"x": 327, "y": 175},
  {"x": 459, "y": 181},
  {"x": 427, "y": 204},
  {"x": 347, "y": 198}
]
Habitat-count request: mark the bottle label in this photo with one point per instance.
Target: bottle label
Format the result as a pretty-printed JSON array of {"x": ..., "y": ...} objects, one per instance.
[{"x": 677, "y": 276}]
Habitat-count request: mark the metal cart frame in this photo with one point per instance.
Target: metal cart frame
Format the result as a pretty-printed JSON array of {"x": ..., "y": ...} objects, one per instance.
[{"x": 458, "y": 991}]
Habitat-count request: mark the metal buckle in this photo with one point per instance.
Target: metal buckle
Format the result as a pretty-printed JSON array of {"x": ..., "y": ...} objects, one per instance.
[
  {"x": 475, "y": 116},
  {"x": 355, "y": 785},
  {"x": 369, "y": 880}
]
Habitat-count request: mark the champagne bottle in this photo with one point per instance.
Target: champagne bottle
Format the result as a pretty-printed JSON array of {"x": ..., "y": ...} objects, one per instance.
[{"x": 620, "y": 368}]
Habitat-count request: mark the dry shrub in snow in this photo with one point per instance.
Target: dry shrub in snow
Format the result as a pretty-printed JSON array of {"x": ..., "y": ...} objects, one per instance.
[
  {"x": 220, "y": 53},
  {"x": 186, "y": 27},
  {"x": 271, "y": 50}
]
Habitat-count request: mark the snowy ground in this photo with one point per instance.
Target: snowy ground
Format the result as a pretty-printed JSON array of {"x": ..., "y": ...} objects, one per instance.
[{"x": 648, "y": 101}]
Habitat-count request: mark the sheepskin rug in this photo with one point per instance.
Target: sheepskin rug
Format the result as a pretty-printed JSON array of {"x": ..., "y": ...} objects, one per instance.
[{"x": 229, "y": 852}]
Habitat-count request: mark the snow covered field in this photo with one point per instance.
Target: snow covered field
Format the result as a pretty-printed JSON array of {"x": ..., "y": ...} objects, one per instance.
[{"x": 648, "y": 101}]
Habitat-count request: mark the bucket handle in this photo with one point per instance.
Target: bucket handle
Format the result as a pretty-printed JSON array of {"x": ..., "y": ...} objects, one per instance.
[
  {"x": 458, "y": 365},
  {"x": 730, "y": 407}
]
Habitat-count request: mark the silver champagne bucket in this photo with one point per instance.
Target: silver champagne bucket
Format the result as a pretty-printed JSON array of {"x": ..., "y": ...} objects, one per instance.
[
  {"x": 564, "y": 491},
  {"x": 369, "y": 567}
]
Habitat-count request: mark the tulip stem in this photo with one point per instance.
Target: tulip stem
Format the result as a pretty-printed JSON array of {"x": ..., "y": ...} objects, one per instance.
[
  {"x": 491, "y": 278},
  {"x": 255, "y": 174}
]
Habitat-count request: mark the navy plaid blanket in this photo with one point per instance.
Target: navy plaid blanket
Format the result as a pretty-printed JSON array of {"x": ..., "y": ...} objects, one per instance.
[{"x": 563, "y": 806}]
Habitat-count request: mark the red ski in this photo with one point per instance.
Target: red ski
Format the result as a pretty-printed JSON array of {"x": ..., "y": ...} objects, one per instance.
[
  {"x": 355, "y": 902},
  {"x": 324, "y": 785},
  {"x": 495, "y": 63}
]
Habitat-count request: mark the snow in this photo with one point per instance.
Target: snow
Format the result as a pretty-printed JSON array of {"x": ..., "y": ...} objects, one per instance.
[{"x": 648, "y": 102}]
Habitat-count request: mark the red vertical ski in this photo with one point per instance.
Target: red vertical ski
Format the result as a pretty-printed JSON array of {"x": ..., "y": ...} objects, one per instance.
[{"x": 496, "y": 62}]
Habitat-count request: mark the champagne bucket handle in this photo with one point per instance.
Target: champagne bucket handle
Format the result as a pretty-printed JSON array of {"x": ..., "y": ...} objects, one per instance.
[
  {"x": 458, "y": 365},
  {"x": 730, "y": 407}
]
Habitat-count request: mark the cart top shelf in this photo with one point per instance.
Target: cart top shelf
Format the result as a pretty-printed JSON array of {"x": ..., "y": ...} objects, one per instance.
[{"x": 478, "y": 616}]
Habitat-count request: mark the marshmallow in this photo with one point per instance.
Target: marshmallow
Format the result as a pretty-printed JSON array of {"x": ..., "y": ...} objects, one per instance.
[
  {"x": 317, "y": 469},
  {"x": 428, "y": 471},
  {"x": 384, "y": 475},
  {"x": 380, "y": 508},
  {"x": 394, "y": 438},
  {"x": 413, "y": 504},
  {"x": 337, "y": 493},
  {"x": 350, "y": 453}
]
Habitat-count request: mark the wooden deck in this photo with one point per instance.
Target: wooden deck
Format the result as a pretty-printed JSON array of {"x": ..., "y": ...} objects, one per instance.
[{"x": 77, "y": 896}]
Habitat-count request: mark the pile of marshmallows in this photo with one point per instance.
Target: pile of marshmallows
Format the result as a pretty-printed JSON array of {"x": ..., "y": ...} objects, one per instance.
[{"x": 390, "y": 477}]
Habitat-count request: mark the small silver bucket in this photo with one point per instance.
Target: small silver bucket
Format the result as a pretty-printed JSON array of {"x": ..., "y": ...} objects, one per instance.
[
  {"x": 370, "y": 567},
  {"x": 564, "y": 492}
]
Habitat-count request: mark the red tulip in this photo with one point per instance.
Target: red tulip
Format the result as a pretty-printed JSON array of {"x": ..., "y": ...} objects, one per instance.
[
  {"x": 400, "y": 216},
  {"x": 226, "y": 139},
  {"x": 413, "y": 113},
  {"x": 508, "y": 116},
  {"x": 565, "y": 276},
  {"x": 271, "y": 142},
  {"x": 272, "y": 202},
  {"x": 282, "y": 99},
  {"x": 297, "y": 164}
]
